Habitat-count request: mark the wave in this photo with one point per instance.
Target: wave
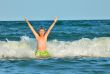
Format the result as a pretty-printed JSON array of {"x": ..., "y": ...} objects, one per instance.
[{"x": 25, "y": 48}]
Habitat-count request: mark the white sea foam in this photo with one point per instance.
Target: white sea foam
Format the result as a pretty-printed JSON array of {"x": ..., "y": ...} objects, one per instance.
[{"x": 25, "y": 48}]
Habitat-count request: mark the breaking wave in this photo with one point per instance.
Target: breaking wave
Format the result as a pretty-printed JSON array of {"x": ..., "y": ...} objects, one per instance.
[{"x": 25, "y": 48}]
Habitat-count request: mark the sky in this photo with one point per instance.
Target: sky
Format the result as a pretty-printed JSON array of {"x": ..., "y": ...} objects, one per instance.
[{"x": 47, "y": 9}]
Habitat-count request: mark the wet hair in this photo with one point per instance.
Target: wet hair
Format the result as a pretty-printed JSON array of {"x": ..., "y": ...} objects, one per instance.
[{"x": 41, "y": 27}]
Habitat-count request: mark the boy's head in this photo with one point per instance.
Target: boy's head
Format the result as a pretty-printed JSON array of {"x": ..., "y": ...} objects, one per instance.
[{"x": 41, "y": 31}]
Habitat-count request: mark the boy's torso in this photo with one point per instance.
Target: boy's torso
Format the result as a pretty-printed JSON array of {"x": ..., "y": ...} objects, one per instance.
[{"x": 41, "y": 43}]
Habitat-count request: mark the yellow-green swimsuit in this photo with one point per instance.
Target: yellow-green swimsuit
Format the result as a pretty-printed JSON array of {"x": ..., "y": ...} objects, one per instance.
[{"x": 42, "y": 53}]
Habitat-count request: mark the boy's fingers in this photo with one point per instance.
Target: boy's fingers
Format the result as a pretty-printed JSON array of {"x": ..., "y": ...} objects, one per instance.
[
  {"x": 56, "y": 17},
  {"x": 25, "y": 18}
]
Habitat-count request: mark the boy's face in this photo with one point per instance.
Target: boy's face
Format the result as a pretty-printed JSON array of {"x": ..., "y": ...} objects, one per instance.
[{"x": 41, "y": 32}]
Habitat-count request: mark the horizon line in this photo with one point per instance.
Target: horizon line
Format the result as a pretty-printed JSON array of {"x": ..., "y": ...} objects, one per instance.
[
  {"x": 59, "y": 20},
  {"x": 53, "y": 19}
]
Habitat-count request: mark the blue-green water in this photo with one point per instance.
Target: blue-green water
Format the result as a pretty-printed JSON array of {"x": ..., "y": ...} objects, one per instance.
[
  {"x": 77, "y": 47},
  {"x": 56, "y": 66}
]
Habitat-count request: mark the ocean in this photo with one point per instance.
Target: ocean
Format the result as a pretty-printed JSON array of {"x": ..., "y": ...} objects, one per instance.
[{"x": 76, "y": 47}]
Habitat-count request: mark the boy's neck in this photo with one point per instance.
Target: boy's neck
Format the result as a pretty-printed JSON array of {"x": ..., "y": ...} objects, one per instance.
[{"x": 42, "y": 36}]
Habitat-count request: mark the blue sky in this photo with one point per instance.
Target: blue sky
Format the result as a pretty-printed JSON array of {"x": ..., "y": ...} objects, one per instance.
[{"x": 47, "y": 9}]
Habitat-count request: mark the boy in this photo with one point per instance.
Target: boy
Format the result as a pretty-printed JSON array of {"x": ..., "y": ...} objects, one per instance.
[{"x": 41, "y": 38}]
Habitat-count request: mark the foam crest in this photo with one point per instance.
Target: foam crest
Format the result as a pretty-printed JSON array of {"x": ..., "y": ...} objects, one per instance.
[
  {"x": 25, "y": 48},
  {"x": 17, "y": 49},
  {"x": 98, "y": 47}
]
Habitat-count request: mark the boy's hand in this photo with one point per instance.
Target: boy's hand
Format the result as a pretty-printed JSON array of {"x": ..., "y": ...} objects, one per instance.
[
  {"x": 25, "y": 18},
  {"x": 55, "y": 19}
]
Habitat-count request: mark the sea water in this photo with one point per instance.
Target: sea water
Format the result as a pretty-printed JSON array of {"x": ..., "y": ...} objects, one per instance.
[{"x": 76, "y": 47}]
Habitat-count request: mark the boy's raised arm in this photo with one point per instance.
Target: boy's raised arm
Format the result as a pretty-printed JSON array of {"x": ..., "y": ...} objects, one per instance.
[
  {"x": 48, "y": 31},
  {"x": 30, "y": 26}
]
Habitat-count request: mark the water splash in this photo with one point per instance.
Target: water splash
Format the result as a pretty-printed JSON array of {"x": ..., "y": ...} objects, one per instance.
[{"x": 25, "y": 48}]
